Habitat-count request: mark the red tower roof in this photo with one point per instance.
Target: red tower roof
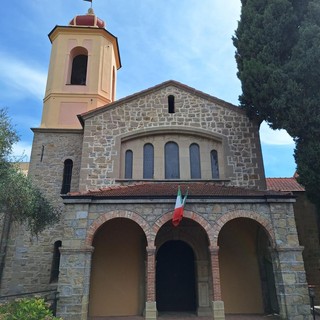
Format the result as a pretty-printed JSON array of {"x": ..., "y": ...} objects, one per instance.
[{"x": 87, "y": 20}]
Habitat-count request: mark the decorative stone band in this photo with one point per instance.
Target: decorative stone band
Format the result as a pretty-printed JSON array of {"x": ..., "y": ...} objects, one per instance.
[
  {"x": 288, "y": 249},
  {"x": 86, "y": 249}
]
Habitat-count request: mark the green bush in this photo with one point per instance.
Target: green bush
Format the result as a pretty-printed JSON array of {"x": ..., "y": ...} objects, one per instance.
[{"x": 26, "y": 309}]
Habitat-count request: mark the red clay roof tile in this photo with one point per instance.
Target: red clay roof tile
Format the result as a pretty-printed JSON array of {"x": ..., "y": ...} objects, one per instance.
[
  {"x": 284, "y": 184},
  {"x": 169, "y": 189}
]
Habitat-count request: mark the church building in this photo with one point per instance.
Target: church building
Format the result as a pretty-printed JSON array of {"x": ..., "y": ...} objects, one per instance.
[{"x": 115, "y": 167}]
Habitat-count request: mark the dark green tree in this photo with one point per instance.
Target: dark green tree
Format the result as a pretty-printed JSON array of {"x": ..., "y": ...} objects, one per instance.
[
  {"x": 20, "y": 199},
  {"x": 278, "y": 56}
]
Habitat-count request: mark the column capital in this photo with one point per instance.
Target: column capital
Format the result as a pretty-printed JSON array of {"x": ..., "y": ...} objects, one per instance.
[
  {"x": 151, "y": 250},
  {"x": 214, "y": 250}
]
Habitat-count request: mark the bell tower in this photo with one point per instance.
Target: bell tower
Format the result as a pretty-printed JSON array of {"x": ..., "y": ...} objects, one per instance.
[{"x": 82, "y": 72}]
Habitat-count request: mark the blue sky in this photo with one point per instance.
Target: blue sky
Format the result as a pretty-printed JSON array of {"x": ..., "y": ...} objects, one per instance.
[{"x": 184, "y": 40}]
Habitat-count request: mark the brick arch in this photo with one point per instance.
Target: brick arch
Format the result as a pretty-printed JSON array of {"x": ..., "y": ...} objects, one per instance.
[
  {"x": 96, "y": 224},
  {"x": 266, "y": 224},
  {"x": 186, "y": 214}
]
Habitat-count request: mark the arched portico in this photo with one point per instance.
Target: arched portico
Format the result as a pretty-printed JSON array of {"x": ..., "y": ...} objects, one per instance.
[
  {"x": 118, "y": 269},
  {"x": 245, "y": 261}
]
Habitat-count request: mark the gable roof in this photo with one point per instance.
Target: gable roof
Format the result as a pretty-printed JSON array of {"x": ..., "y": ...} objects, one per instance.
[
  {"x": 284, "y": 184},
  {"x": 82, "y": 117},
  {"x": 169, "y": 190}
]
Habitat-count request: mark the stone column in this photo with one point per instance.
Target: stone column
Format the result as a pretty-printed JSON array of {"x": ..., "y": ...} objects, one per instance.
[
  {"x": 74, "y": 283},
  {"x": 217, "y": 303},
  {"x": 151, "y": 306},
  {"x": 204, "y": 300},
  {"x": 291, "y": 285}
]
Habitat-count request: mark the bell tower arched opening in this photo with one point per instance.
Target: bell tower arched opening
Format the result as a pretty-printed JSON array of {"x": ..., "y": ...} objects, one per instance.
[{"x": 77, "y": 74}]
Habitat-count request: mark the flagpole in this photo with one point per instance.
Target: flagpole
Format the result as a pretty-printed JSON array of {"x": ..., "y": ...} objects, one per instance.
[{"x": 89, "y": 1}]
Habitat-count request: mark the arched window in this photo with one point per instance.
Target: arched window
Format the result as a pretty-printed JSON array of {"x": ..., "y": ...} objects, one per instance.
[
  {"x": 55, "y": 262},
  {"x": 171, "y": 108},
  {"x": 148, "y": 161},
  {"x": 128, "y": 164},
  {"x": 172, "y": 170},
  {"x": 214, "y": 164},
  {"x": 195, "y": 168},
  {"x": 67, "y": 175},
  {"x": 79, "y": 69}
]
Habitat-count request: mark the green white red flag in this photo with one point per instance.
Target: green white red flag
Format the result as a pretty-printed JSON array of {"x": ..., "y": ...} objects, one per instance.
[{"x": 178, "y": 209}]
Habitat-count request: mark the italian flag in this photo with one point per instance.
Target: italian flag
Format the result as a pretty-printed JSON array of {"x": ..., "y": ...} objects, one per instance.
[{"x": 178, "y": 209}]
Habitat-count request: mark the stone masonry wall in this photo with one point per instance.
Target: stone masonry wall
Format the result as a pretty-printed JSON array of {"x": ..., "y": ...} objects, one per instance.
[
  {"x": 28, "y": 260},
  {"x": 308, "y": 231},
  {"x": 104, "y": 130}
]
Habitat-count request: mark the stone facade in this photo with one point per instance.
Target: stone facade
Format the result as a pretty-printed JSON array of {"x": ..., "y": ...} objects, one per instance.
[
  {"x": 147, "y": 114},
  {"x": 97, "y": 153}
]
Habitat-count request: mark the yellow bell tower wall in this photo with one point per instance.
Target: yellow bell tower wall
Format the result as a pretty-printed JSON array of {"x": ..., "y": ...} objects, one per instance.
[{"x": 82, "y": 74}]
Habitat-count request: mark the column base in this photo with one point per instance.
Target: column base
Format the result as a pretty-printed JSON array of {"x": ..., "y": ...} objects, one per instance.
[
  {"x": 218, "y": 310},
  {"x": 151, "y": 312},
  {"x": 204, "y": 312}
]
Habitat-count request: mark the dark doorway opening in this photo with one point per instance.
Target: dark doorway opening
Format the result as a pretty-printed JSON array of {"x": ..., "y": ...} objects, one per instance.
[{"x": 175, "y": 277}]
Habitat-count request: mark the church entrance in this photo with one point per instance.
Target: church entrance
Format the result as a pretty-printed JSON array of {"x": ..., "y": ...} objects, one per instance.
[{"x": 175, "y": 277}]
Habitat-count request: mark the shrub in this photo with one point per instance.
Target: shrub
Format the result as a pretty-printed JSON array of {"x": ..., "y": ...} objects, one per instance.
[{"x": 26, "y": 309}]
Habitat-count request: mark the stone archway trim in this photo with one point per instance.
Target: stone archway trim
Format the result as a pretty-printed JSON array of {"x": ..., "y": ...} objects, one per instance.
[
  {"x": 243, "y": 214},
  {"x": 96, "y": 224},
  {"x": 186, "y": 214}
]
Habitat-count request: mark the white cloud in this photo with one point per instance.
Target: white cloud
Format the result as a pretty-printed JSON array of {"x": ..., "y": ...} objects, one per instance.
[
  {"x": 25, "y": 79},
  {"x": 274, "y": 137}
]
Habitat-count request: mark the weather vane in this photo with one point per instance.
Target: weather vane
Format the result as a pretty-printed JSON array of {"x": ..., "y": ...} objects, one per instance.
[{"x": 89, "y": 1}]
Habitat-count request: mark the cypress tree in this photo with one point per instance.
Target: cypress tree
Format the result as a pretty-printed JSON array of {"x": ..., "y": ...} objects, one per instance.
[{"x": 278, "y": 56}]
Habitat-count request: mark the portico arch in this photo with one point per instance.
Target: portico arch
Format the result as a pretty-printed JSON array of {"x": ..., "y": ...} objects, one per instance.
[
  {"x": 96, "y": 224},
  {"x": 183, "y": 251},
  {"x": 265, "y": 223},
  {"x": 246, "y": 264},
  {"x": 117, "y": 286},
  {"x": 189, "y": 215}
]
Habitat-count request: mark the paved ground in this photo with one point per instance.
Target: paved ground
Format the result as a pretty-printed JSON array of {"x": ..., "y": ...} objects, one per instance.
[{"x": 189, "y": 316}]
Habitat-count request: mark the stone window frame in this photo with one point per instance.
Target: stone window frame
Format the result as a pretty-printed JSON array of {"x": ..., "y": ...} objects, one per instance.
[
  {"x": 214, "y": 164},
  {"x": 158, "y": 137},
  {"x": 195, "y": 161},
  {"x": 68, "y": 165},
  {"x": 55, "y": 264},
  {"x": 148, "y": 161},
  {"x": 171, "y": 160},
  {"x": 128, "y": 164}
]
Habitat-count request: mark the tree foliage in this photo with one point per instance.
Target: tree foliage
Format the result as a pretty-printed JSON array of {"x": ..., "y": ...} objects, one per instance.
[
  {"x": 278, "y": 56},
  {"x": 20, "y": 198},
  {"x": 26, "y": 308}
]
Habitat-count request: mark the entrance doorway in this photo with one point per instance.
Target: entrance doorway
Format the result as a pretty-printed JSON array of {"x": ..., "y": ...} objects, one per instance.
[{"x": 175, "y": 277}]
